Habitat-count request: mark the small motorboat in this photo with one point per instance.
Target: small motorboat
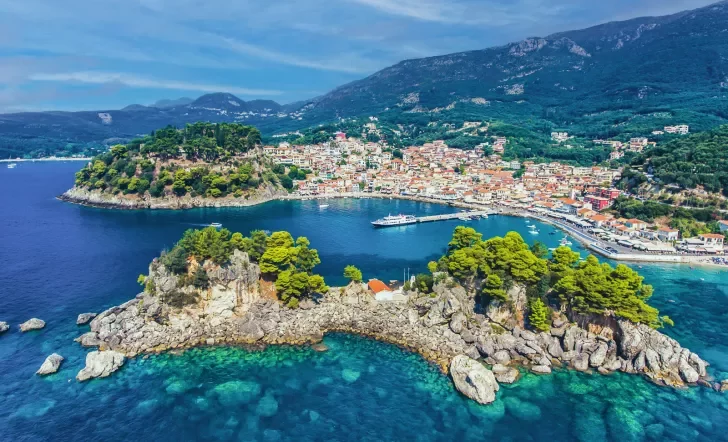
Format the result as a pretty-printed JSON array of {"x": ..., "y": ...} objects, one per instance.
[
  {"x": 531, "y": 226},
  {"x": 216, "y": 225},
  {"x": 12, "y": 165},
  {"x": 323, "y": 206}
]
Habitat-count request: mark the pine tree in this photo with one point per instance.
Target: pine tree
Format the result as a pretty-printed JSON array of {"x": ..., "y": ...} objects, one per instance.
[{"x": 539, "y": 315}]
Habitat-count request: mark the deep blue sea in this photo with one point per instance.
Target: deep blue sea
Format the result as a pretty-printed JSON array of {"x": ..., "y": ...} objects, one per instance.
[{"x": 58, "y": 260}]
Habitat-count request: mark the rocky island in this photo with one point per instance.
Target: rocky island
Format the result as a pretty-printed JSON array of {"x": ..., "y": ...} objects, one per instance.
[
  {"x": 487, "y": 307},
  {"x": 202, "y": 165}
]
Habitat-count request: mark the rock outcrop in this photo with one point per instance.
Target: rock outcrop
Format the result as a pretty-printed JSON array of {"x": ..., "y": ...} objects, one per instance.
[
  {"x": 472, "y": 379},
  {"x": 440, "y": 326},
  {"x": 32, "y": 324},
  {"x": 85, "y": 318},
  {"x": 50, "y": 365},
  {"x": 100, "y": 364},
  {"x": 4, "y": 327},
  {"x": 96, "y": 198}
]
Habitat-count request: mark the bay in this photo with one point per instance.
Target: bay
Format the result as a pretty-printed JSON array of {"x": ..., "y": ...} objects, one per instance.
[{"x": 58, "y": 260}]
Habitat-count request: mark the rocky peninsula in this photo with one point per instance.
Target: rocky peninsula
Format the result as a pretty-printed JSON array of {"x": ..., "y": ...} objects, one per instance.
[
  {"x": 445, "y": 327},
  {"x": 95, "y": 198}
]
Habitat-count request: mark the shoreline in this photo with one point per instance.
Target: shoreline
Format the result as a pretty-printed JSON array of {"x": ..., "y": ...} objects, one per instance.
[
  {"x": 442, "y": 327},
  {"x": 35, "y": 160},
  {"x": 592, "y": 244}
]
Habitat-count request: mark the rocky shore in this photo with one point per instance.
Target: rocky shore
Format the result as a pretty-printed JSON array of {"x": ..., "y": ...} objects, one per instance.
[
  {"x": 102, "y": 200},
  {"x": 443, "y": 327}
]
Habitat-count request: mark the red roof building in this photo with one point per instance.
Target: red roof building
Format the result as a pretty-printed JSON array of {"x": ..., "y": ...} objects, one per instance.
[{"x": 377, "y": 286}]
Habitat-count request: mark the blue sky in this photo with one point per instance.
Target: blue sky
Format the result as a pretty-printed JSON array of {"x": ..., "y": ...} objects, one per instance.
[{"x": 106, "y": 54}]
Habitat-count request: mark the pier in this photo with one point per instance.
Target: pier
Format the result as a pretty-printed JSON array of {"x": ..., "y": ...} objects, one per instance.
[{"x": 458, "y": 215}]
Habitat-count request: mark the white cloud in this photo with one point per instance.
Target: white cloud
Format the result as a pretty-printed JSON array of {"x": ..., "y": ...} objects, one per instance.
[
  {"x": 131, "y": 80},
  {"x": 348, "y": 63}
]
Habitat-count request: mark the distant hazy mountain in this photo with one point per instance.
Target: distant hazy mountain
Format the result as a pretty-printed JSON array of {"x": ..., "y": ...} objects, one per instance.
[
  {"x": 593, "y": 81},
  {"x": 165, "y": 103}
]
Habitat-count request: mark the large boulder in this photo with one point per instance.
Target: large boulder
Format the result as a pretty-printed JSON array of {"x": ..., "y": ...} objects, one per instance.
[
  {"x": 457, "y": 322},
  {"x": 100, "y": 364},
  {"x": 541, "y": 369},
  {"x": 502, "y": 356},
  {"x": 50, "y": 365},
  {"x": 580, "y": 362},
  {"x": 4, "y": 326},
  {"x": 89, "y": 339},
  {"x": 85, "y": 318},
  {"x": 504, "y": 374},
  {"x": 32, "y": 324},
  {"x": 599, "y": 355},
  {"x": 472, "y": 379}
]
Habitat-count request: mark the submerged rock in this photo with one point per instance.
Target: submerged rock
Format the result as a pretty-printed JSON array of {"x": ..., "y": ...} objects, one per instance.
[
  {"x": 234, "y": 393},
  {"x": 350, "y": 375},
  {"x": 4, "y": 326},
  {"x": 85, "y": 318},
  {"x": 50, "y": 365},
  {"x": 320, "y": 347},
  {"x": 32, "y": 324},
  {"x": 100, "y": 364},
  {"x": 472, "y": 379}
]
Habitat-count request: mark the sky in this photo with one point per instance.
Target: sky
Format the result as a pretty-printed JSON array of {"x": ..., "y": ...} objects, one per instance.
[{"x": 107, "y": 54}]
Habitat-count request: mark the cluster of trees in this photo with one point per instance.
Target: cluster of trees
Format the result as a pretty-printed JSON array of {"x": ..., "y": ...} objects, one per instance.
[
  {"x": 199, "y": 141},
  {"x": 690, "y": 222},
  {"x": 584, "y": 287},
  {"x": 699, "y": 159},
  {"x": 140, "y": 165},
  {"x": 286, "y": 178},
  {"x": 290, "y": 263}
]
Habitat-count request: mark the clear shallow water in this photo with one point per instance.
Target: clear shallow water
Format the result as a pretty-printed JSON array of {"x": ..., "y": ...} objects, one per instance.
[{"x": 58, "y": 260}]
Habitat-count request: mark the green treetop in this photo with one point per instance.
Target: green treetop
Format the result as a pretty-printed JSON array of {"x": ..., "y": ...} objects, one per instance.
[
  {"x": 539, "y": 316},
  {"x": 352, "y": 274}
]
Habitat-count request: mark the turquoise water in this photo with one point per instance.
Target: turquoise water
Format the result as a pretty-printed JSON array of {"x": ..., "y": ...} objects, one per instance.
[{"x": 58, "y": 260}]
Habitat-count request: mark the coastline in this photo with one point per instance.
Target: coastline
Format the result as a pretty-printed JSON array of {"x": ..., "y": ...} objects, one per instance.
[
  {"x": 35, "y": 160},
  {"x": 94, "y": 199},
  {"x": 443, "y": 327}
]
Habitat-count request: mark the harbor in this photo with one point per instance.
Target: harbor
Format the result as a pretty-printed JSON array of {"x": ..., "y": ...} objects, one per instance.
[{"x": 400, "y": 220}]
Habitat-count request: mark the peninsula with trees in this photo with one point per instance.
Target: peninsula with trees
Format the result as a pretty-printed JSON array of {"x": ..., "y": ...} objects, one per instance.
[
  {"x": 486, "y": 310},
  {"x": 203, "y": 164}
]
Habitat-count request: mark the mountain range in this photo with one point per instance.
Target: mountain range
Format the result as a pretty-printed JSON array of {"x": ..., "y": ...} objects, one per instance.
[{"x": 629, "y": 75}]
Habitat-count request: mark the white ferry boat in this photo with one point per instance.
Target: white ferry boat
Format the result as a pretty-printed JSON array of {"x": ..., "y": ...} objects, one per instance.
[{"x": 397, "y": 220}]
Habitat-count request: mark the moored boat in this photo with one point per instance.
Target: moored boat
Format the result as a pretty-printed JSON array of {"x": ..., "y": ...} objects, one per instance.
[{"x": 396, "y": 220}]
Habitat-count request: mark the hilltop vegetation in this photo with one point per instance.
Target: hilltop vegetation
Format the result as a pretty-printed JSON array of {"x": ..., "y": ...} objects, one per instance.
[
  {"x": 203, "y": 159},
  {"x": 287, "y": 262},
  {"x": 583, "y": 287},
  {"x": 698, "y": 160}
]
